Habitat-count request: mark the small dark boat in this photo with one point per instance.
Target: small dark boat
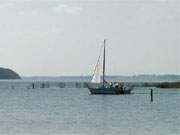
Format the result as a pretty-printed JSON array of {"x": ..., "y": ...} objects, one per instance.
[{"x": 98, "y": 87}]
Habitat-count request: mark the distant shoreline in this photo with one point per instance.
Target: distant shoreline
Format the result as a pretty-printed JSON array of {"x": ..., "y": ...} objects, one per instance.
[
  {"x": 135, "y": 78},
  {"x": 159, "y": 81}
]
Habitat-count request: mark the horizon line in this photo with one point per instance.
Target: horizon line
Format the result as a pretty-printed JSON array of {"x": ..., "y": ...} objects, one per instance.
[{"x": 106, "y": 75}]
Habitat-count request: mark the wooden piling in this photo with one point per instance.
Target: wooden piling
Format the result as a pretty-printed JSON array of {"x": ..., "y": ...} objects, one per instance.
[
  {"x": 42, "y": 85},
  {"x": 151, "y": 95},
  {"x": 33, "y": 86},
  {"x": 62, "y": 85}
]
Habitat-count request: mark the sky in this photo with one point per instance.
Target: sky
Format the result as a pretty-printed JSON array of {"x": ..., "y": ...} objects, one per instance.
[{"x": 63, "y": 37}]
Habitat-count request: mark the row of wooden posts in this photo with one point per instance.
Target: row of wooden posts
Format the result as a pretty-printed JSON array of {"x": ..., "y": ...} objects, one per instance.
[{"x": 60, "y": 85}]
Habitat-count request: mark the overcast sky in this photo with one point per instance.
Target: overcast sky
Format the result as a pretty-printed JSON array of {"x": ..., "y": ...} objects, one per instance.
[{"x": 55, "y": 37}]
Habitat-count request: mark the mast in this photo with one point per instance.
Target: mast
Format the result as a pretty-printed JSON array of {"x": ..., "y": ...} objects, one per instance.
[{"x": 104, "y": 62}]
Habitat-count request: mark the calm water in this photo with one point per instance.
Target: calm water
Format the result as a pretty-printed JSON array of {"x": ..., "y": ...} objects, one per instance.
[{"x": 55, "y": 111}]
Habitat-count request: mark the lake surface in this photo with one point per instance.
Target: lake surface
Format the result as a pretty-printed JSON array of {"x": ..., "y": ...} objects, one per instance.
[{"x": 73, "y": 111}]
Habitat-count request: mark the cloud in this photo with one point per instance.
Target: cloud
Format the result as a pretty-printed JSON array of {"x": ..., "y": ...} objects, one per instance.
[
  {"x": 6, "y": 5},
  {"x": 71, "y": 10},
  {"x": 28, "y": 13},
  {"x": 17, "y": 8}
]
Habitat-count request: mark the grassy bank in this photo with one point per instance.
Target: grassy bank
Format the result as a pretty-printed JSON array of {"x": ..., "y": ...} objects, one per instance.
[
  {"x": 169, "y": 85},
  {"x": 157, "y": 84}
]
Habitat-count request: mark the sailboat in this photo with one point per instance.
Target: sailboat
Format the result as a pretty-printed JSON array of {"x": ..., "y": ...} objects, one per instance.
[{"x": 96, "y": 86}]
